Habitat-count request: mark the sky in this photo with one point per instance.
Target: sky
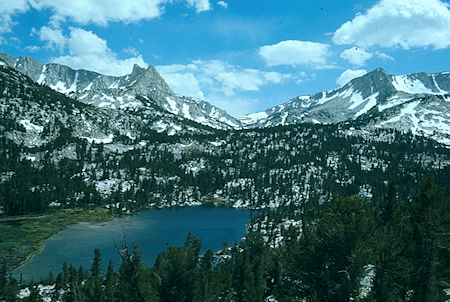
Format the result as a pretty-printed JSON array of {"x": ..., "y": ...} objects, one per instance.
[{"x": 242, "y": 56}]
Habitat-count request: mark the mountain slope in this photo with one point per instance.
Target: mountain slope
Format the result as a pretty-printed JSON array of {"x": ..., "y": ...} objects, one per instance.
[
  {"x": 417, "y": 102},
  {"x": 34, "y": 115},
  {"x": 121, "y": 92}
]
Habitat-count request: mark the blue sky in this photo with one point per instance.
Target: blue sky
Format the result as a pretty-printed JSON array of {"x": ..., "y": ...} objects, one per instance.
[{"x": 243, "y": 56}]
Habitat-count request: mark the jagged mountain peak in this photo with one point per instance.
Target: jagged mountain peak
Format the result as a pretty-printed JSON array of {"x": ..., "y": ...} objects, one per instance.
[
  {"x": 9, "y": 60},
  {"x": 376, "y": 81},
  {"x": 143, "y": 81},
  {"x": 121, "y": 92},
  {"x": 137, "y": 69},
  {"x": 418, "y": 102}
]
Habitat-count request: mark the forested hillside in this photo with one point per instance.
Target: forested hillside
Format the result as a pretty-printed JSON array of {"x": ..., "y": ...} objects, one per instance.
[{"x": 350, "y": 250}]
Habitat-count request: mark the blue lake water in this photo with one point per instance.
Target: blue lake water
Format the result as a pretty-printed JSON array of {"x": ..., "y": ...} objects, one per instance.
[{"x": 152, "y": 231}]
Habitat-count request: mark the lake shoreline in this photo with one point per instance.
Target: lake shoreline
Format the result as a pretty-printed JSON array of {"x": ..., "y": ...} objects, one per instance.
[
  {"x": 35, "y": 229},
  {"x": 24, "y": 236},
  {"x": 152, "y": 229}
]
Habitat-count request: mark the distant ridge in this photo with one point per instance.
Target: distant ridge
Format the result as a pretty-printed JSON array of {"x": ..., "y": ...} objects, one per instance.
[{"x": 417, "y": 102}]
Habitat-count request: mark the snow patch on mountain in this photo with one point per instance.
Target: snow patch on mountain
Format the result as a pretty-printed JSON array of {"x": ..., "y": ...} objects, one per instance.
[
  {"x": 406, "y": 84},
  {"x": 30, "y": 127},
  {"x": 356, "y": 100},
  {"x": 121, "y": 92},
  {"x": 417, "y": 102},
  {"x": 186, "y": 112},
  {"x": 253, "y": 117},
  {"x": 370, "y": 103},
  {"x": 42, "y": 76},
  {"x": 105, "y": 140},
  {"x": 328, "y": 96}
]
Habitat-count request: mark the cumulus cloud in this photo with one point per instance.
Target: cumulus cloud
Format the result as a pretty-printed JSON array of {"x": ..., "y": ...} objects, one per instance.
[
  {"x": 101, "y": 11},
  {"x": 356, "y": 56},
  {"x": 404, "y": 23},
  {"x": 219, "y": 82},
  {"x": 294, "y": 53},
  {"x": 185, "y": 83},
  {"x": 54, "y": 38},
  {"x": 88, "y": 51},
  {"x": 222, "y": 3},
  {"x": 9, "y": 8},
  {"x": 349, "y": 75},
  {"x": 217, "y": 76}
]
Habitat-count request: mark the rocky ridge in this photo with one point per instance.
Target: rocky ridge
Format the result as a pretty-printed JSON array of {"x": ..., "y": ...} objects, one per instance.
[
  {"x": 418, "y": 102},
  {"x": 135, "y": 91}
]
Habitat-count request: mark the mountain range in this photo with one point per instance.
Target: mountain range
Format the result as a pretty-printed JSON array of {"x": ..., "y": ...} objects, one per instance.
[{"x": 417, "y": 102}]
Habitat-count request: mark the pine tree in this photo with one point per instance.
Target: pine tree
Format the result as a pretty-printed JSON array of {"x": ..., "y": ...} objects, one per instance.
[
  {"x": 428, "y": 219},
  {"x": 93, "y": 288},
  {"x": 11, "y": 290},
  {"x": 110, "y": 284},
  {"x": 204, "y": 283},
  {"x": 3, "y": 279},
  {"x": 131, "y": 287},
  {"x": 96, "y": 264}
]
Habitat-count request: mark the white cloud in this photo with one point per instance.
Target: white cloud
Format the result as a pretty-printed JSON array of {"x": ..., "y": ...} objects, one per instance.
[
  {"x": 349, "y": 75},
  {"x": 384, "y": 56},
  {"x": 9, "y": 8},
  {"x": 218, "y": 77},
  {"x": 200, "y": 5},
  {"x": 101, "y": 11},
  {"x": 356, "y": 56},
  {"x": 15, "y": 40},
  {"x": 33, "y": 48},
  {"x": 131, "y": 51},
  {"x": 236, "y": 106},
  {"x": 88, "y": 51},
  {"x": 83, "y": 42},
  {"x": 183, "y": 83},
  {"x": 218, "y": 82},
  {"x": 53, "y": 37},
  {"x": 404, "y": 23},
  {"x": 294, "y": 53},
  {"x": 222, "y": 3},
  {"x": 301, "y": 77},
  {"x": 246, "y": 80}
]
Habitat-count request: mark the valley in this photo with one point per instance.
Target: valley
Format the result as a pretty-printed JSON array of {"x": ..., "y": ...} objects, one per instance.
[{"x": 81, "y": 146}]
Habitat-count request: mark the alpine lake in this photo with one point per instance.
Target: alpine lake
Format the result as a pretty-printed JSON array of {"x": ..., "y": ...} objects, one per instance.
[{"x": 152, "y": 230}]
